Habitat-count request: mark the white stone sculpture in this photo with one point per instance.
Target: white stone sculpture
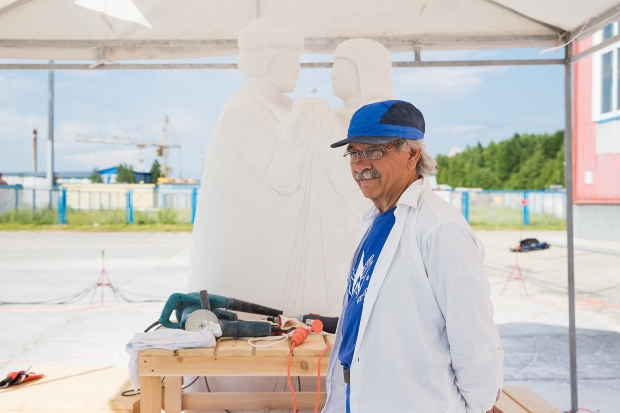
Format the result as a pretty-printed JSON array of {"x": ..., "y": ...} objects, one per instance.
[
  {"x": 278, "y": 210},
  {"x": 267, "y": 228},
  {"x": 362, "y": 74}
]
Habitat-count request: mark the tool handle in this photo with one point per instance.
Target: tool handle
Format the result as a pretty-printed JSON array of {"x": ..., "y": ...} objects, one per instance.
[
  {"x": 329, "y": 323},
  {"x": 238, "y": 329},
  {"x": 225, "y": 315},
  {"x": 173, "y": 303},
  {"x": 204, "y": 300},
  {"x": 247, "y": 307}
]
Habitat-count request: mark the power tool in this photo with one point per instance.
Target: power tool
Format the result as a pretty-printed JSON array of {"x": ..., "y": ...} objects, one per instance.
[
  {"x": 329, "y": 323},
  {"x": 194, "y": 310}
]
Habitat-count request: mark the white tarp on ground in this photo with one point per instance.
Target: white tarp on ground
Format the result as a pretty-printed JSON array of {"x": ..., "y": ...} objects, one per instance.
[{"x": 145, "y": 29}]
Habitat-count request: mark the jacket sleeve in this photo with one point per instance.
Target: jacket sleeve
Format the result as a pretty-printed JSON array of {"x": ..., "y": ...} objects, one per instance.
[{"x": 453, "y": 257}]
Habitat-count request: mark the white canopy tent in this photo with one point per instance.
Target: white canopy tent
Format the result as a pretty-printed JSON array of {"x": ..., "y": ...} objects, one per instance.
[
  {"x": 106, "y": 32},
  {"x": 166, "y": 29}
]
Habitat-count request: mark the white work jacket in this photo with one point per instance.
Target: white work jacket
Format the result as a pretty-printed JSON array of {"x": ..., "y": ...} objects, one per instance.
[{"x": 427, "y": 341}]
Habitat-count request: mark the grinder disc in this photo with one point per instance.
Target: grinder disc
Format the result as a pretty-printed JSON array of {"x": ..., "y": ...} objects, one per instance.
[{"x": 199, "y": 320}]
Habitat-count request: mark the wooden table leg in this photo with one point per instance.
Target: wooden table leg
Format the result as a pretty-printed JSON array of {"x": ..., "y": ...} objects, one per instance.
[
  {"x": 150, "y": 394},
  {"x": 172, "y": 394}
]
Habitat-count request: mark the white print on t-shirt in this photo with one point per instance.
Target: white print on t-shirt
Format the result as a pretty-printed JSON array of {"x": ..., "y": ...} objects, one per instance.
[{"x": 361, "y": 274}]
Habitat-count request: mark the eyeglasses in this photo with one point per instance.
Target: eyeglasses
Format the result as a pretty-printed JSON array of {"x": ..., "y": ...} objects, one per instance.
[{"x": 370, "y": 153}]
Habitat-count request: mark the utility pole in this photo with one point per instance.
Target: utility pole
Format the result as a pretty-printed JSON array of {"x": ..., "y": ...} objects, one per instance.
[
  {"x": 50, "y": 132},
  {"x": 34, "y": 150},
  {"x": 165, "y": 151}
]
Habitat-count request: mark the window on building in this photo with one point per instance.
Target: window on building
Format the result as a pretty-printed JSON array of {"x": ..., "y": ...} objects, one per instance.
[
  {"x": 618, "y": 78},
  {"x": 608, "y": 31},
  {"x": 606, "y": 76},
  {"x": 606, "y": 82}
]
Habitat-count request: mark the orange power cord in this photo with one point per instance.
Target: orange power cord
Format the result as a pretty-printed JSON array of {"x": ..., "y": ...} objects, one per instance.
[
  {"x": 288, "y": 378},
  {"x": 298, "y": 337}
]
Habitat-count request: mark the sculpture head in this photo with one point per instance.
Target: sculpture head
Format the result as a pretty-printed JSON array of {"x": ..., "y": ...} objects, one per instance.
[
  {"x": 346, "y": 81},
  {"x": 269, "y": 48},
  {"x": 362, "y": 67}
]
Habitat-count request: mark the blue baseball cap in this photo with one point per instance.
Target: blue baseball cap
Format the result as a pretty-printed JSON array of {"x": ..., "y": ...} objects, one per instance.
[{"x": 384, "y": 122}]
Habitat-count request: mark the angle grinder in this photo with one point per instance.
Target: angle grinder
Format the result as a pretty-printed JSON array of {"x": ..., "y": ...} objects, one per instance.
[{"x": 194, "y": 311}]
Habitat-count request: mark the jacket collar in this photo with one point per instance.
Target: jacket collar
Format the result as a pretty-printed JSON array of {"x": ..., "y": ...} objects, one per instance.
[{"x": 410, "y": 198}]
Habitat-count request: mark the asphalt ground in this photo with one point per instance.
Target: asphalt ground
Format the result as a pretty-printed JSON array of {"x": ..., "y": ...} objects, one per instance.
[{"x": 45, "y": 266}]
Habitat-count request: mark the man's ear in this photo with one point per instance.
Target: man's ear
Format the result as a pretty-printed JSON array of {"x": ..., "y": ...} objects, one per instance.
[{"x": 414, "y": 157}]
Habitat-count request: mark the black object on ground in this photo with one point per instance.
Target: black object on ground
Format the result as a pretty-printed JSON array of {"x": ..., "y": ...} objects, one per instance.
[{"x": 530, "y": 244}]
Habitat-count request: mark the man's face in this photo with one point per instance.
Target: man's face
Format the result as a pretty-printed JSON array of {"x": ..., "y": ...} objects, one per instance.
[{"x": 390, "y": 174}]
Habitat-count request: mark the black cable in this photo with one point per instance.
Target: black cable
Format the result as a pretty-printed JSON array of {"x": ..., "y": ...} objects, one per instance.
[
  {"x": 151, "y": 326},
  {"x": 57, "y": 301},
  {"x": 68, "y": 299},
  {"x": 139, "y": 294},
  {"x": 194, "y": 381},
  {"x": 122, "y": 295},
  {"x": 127, "y": 393}
]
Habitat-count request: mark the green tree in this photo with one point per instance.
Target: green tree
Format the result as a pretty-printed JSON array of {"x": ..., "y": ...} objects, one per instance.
[
  {"x": 522, "y": 162},
  {"x": 124, "y": 174},
  {"x": 95, "y": 178},
  {"x": 155, "y": 171}
]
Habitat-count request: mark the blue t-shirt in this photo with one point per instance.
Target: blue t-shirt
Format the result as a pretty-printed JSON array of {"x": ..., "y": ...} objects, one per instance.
[{"x": 361, "y": 271}]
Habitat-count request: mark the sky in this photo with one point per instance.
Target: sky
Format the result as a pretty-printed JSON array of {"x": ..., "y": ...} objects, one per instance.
[{"x": 462, "y": 106}]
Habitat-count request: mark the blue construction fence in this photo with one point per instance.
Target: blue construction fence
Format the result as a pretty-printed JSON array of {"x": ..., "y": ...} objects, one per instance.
[
  {"x": 170, "y": 204},
  {"x": 116, "y": 204},
  {"x": 498, "y": 205}
]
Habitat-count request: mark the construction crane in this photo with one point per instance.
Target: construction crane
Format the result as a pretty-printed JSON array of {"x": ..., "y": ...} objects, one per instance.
[{"x": 163, "y": 147}]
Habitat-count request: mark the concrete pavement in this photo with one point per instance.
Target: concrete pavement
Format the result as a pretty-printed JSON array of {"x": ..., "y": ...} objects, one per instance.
[{"x": 42, "y": 266}]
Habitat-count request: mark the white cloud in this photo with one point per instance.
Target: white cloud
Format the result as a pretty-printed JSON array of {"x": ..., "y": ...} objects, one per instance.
[
  {"x": 102, "y": 158},
  {"x": 543, "y": 120},
  {"x": 15, "y": 126},
  {"x": 465, "y": 131},
  {"x": 18, "y": 86},
  {"x": 455, "y": 151},
  {"x": 443, "y": 81}
]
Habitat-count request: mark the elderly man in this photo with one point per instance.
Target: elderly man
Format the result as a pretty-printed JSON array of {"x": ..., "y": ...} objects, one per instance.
[{"x": 416, "y": 333}]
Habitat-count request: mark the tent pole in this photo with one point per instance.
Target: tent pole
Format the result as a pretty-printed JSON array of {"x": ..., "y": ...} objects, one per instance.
[
  {"x": 49, "y": 175},
  {"x": 568, "y": 157}
]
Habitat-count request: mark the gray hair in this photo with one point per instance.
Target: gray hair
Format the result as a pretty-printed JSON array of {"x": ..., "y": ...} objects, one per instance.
[{"x": 426, "y": 164}]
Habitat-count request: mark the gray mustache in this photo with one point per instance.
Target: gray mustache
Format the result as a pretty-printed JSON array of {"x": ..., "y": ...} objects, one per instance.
[{"x": 367, "y": 174}]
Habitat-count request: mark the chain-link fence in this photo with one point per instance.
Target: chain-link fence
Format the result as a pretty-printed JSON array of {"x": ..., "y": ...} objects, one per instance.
[
  {"x": 515, "y": 208},
  {"x": 176, "y": 204},
  {"x": 98, "y": 205},
  {"x": 509, "y": 208},
  {"x": 28, "y": 205}
]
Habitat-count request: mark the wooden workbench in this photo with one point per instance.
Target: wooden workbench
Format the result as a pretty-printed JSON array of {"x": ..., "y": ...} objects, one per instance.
[
  {"x": 237, "y": 358},
  {"x": 230, "y": 357},
  {"x": 67, "y": 389}
]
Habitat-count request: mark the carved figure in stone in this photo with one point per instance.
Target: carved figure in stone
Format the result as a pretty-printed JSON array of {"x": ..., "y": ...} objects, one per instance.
[
  {"x": 269, "y": 224},
  {"x": 238, "y": 225},
  {"x": 362, "y": 74}
]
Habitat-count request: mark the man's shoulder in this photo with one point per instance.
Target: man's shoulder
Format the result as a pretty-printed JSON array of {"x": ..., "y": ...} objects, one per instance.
[{"x": 434, "y": 212}]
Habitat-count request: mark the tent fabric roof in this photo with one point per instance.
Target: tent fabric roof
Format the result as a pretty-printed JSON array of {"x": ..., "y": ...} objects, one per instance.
[{"x": 167, "y": 29}]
